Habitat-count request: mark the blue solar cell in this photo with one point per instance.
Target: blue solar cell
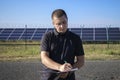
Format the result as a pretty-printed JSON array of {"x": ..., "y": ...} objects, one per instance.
[
  {"x": 7, "y": 31},
  {"x": 76, "y": 29},
  {"x": 18, "y": 31},
  {"x": 100, "y": 34},
  {"x": 87, "y": 34},
  {"x": 37, "y": 38},
  {"x": 14, "y": 38},
  {"x": 87, "y": 38},
  {"x": 16, "y": 34},
  {"x": 1, "y": 28},
  {"x": 114, "y": 38},
  {"x": 27, "y": 34},
  {"x": 41, "y": 28},
  {"x": 19, "y": 28},
  {"x": 25, "y": 37},
  {"x": 29, "y": 30},
  {"x": 100, "y": 29},
  {"x": 113, "y": 29},
  {"x": 50, "y": 28},
  {"x": 41, "y": 31},
  {"x": 114, "y": 34},
  {"x": 87, "y": 29},
  {"x": 100, "y": 38},
  {"x": 38, "y": 34},
  {"x": 4, "y": 34},
  {"x": 3, "y": 37}
]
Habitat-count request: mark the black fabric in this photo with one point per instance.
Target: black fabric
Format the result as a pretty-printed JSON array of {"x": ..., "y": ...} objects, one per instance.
[{"x": 62, "y": 47}]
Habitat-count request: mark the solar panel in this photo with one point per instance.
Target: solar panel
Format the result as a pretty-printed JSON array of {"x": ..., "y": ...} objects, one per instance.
[
  {"x": 100, "y": 38},
  {"x": 41, "y": 31},
  {"x": 27, "y": 34},
  {"x": 37, "y": 38},
  {"x": 3, "y": 37},
  {"x": 29, "y": 30},
  {"x": 86, "y": 34},
  {"x": 0, "y": 30},
  {"x": 15, "y": 34},
  {"x": 100, "y": 34},
  {"x": 50, "y": 29},
  {"x": 7, "y": 31},
  {"x": 38, "y": 34},
  {"x": 19, "y": 30},
  {"x": 87, "y": 38},
  {"x": 76, "y": 31},
  {"x": 14, "y": 38},
  {"x": 114, "y": 34},
  {"x": 114, "y": 38}
]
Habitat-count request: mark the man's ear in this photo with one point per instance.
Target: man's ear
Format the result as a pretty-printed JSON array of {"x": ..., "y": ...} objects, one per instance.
[{"x": 52, "y": 22}]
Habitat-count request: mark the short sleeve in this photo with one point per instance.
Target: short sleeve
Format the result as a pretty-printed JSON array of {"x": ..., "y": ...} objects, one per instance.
[
  {"x": 79, "y": 51},
  {"x": 45, "y": 42}
]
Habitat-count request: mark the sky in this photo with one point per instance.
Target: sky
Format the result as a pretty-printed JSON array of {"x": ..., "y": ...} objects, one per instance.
[{"x": 38, "y": 12}]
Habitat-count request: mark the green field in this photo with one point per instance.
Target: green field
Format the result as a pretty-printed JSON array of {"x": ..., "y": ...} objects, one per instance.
[{"x": 23, "y": 50}]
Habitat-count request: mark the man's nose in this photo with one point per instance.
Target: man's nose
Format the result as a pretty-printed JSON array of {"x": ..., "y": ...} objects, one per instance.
[{"x": 61, "y": 26}]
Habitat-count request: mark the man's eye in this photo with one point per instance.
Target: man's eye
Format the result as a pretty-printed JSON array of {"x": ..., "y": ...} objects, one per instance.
[
  {"x": 64, "y": 22},
  {"x": 59, "y": 24}
]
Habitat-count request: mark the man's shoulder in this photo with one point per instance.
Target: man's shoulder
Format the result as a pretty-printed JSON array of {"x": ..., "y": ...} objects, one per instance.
[
  {"x": 49, "y": 33},
  {"x": 73, "y": 35}
]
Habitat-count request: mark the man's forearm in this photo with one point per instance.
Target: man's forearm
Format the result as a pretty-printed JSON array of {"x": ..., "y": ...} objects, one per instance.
[
  {"x": 49, "y": 62},
  {"x": 79, "y": 63},
  {"x": 54, "y": 65}
]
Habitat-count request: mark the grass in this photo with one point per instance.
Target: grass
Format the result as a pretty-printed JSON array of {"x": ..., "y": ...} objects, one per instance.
[
  {"x": 92, "y": 51},
  {"x": 9, "y": 52},
  {"x": 102, "y": 51}
]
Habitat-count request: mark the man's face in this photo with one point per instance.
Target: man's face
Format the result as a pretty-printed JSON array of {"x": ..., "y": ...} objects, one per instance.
[{"x": 60, "y": 24}]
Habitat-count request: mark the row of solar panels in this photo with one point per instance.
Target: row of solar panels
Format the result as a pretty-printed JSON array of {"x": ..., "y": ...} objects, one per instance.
[{"x": 86, "y": 34}]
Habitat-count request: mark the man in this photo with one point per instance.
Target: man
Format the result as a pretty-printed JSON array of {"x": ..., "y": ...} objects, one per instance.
[{"x": 59, "y": 49}]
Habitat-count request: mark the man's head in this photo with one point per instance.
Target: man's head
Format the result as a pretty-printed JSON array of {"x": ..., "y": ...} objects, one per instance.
[{"x": 60, "y": 20}]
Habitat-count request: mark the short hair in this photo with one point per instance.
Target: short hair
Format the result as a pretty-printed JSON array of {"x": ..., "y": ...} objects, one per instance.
[{"x": 59, "y": 13}]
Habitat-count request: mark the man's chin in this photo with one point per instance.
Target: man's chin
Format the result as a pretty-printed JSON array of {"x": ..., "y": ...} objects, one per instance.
[{"x": 62, "y": 32}]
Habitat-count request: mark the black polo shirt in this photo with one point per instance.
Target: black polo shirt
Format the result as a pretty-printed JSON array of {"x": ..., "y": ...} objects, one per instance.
[{"x": 61, "y": 48}]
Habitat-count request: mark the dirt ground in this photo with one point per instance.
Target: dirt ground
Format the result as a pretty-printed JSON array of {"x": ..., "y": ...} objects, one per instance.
[{"x": 30, "y": 70}]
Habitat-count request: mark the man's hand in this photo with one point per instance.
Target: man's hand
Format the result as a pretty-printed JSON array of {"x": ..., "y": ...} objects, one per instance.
[{"x": 65, "y": 67}]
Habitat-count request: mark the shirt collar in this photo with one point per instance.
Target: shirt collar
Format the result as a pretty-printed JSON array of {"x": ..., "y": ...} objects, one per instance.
[{"x": 60, "y": 34}]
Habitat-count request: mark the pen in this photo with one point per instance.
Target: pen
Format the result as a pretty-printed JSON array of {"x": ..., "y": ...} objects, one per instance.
[{"x": 65, "y": 61}]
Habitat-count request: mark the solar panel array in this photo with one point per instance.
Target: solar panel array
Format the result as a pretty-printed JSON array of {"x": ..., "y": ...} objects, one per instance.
[{"x": 86, "y": 34}]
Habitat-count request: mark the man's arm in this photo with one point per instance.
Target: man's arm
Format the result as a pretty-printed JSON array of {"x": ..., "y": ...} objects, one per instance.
[
  {"x": 80, "y": 62},
  {"x": 52, "y": 64}
]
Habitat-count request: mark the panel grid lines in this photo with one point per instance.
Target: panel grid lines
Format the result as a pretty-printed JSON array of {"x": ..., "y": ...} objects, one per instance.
[
  {"x": 10, "y": 34},
  {"x": 21, "y": 34}
]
